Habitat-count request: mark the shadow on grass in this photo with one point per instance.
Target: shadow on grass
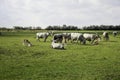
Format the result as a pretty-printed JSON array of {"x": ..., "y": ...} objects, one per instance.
[
  {"x": 112, "y": 77},
  {"x": 113, "y": 41},
  {"x": 59, "y": 48},
  {"x": 92, "y": 44},
  {"x": 110, "y": 41},
  {"x": 5, "y": 51}
]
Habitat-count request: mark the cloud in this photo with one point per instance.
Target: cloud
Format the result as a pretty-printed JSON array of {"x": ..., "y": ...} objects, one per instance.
[{"x": 58, "y": 12}]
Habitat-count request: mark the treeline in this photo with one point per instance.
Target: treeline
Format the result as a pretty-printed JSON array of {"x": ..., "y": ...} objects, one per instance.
[
  {"x": 91, "y": 27},
  {"x": 26, "y": 28},
  {"x": 102, "y": 27},
  {"x": 65, "y": 27},
  {"x": 21, "y": 28}
]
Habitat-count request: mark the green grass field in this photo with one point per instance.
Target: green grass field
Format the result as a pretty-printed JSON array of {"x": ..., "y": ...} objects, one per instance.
[{"x": 41, "y": 62}]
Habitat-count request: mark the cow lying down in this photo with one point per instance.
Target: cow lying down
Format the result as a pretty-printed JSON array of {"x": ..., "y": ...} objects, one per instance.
[
  {"x": 27, "y": 43},
  {"x": 57, "y": 45}
]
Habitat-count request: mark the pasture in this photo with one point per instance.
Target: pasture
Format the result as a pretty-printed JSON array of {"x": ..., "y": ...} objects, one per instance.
[{"x": 41, "y": 62}]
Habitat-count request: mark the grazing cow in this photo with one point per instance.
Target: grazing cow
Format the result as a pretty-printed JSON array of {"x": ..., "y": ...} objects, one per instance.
[
  {"x": 66, "y": 37},
  {"x": 96, "y": 42},
  {"x": 27, "y": 42},
  {"x": 78, "y": 37},
  {"x": 115, "y": 33},
  {"x": 42, "y": 35},
  {"x": 58, "y": 38},
  {"x": 91, "y": 37},
  {"x": 57, "y": 45},
  {"x": 105, "y": 36},
  {"x": 52, "y": 33}
]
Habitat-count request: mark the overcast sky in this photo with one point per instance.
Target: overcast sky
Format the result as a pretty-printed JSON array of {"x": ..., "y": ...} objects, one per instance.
[{"x": 58, "y": 12}]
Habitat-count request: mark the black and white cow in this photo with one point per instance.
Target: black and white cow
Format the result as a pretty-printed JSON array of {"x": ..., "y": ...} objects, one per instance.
[
  {"x": 78, "y": 37},
  {"x": 115, "y": 33},
  {"x": 66, "y": 37},
  {"x": 105, "y": 36},
  {"x": 26, "y": 42},
  {"x": 43, "y": 35},
  {"x": 58, "y": 38},
  {"x": 91, "y": 37}
]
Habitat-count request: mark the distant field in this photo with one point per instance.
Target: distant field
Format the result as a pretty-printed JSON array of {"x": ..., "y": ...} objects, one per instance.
[{"x": 41, "y": 62}]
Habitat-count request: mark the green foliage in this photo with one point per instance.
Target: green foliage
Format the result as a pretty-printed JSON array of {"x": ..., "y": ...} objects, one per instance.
[
  {"x": 64, "y": 27},
  {"x": 102, "y": 27},
  {"x": 26, "y": 28},
  {"x": 41, "y": 62}
]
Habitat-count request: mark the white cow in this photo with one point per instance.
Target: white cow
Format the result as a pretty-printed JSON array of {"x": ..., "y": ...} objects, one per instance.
[
  {"x": 42, "y": 35},
  {"x": 57, "y": 45},
  {"x": 105, "y": 36},
  {"x": 91, "y": 37},
  {"x": 78, "y": 37}
]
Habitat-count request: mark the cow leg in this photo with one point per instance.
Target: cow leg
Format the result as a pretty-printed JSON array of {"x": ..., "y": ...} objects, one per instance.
[
  {"x": 44, "y": 39},
  {"x": 107, "y": 38},
  {"x": 38, "y": 39},
  {"x": 71, "y": 40},
  {"x": 65, "y": 40},
  {"x": 92, "y": 41}
]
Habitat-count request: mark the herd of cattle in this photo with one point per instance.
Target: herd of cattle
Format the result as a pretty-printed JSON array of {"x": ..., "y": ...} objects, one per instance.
[{"x": 59, "y": 39}]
